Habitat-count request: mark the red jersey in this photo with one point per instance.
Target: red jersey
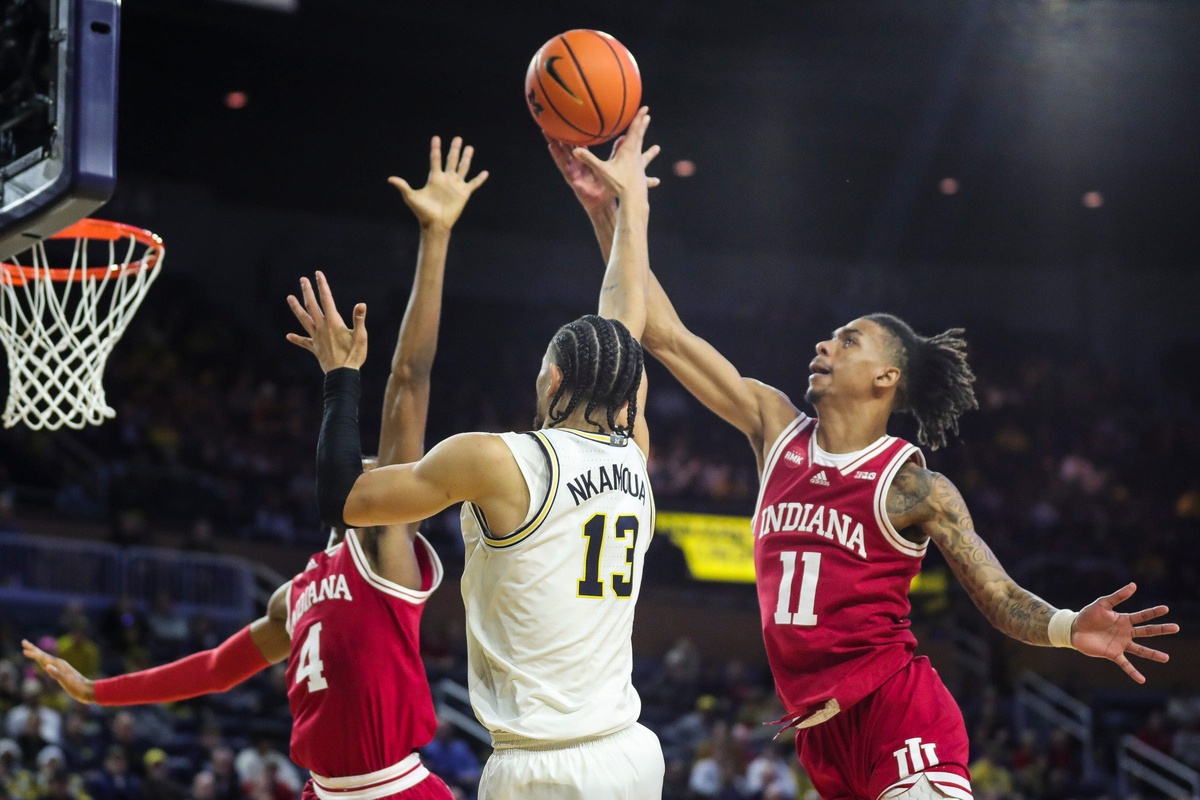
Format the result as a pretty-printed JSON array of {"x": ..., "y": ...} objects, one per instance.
[
  {"x": 833, "y": 574},
  {"x": 356, "y": 685}
]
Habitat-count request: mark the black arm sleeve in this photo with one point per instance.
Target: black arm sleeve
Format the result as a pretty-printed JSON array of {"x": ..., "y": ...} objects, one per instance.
[{"x": 339, "y": 449}]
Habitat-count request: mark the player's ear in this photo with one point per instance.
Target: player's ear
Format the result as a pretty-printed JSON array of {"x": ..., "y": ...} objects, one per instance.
[
  {"x": 887, "y": 378},
  {"x": 556, "y": 379}
]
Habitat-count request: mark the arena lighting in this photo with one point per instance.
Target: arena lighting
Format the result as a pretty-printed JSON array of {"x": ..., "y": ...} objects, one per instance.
[
  {"x": 236, "y": 100},
  {"x": 286, "y": 6},
  {"x": 1093, "y": 200},
  {"x": 685, "y": 168},
  {"x": 948, "y": 186}
]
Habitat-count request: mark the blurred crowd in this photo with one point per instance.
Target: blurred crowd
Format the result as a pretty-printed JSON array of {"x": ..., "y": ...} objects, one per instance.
[
  {"x": 708, "y": 714},
  {"x": 1071, "y": 468},
  {"x": 1069, "y": 463}
]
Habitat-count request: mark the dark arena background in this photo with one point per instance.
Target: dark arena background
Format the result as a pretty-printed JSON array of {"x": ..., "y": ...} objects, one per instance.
[{"x": 1028, "y": 170}]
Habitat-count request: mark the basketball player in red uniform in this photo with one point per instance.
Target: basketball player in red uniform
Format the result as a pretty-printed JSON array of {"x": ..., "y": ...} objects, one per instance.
[
  {"x": 349, "y": 624},
  {"x": 844, "y": 516}
]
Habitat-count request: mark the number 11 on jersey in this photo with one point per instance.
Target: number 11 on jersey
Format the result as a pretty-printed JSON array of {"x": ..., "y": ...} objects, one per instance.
[{"x": 807, "y": 601}]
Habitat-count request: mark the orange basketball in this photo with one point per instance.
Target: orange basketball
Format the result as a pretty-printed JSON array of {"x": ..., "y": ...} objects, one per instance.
[{"x": 583, "y": 87}]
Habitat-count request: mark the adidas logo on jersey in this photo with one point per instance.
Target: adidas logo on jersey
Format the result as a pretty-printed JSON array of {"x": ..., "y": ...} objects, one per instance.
[
  {"x": 793, "y": 459},
  {"x": 866, "y": 476},
  {"x": 820, "y": 479}
]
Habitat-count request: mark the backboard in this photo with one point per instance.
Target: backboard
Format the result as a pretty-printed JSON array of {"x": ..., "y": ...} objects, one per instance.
[{"x": 58, "y": 115}]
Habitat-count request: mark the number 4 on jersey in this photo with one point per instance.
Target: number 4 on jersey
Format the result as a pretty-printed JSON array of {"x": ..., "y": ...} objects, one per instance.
[
  {"x": 310, "y": 665},
  {"x": 808, "y": 590}
]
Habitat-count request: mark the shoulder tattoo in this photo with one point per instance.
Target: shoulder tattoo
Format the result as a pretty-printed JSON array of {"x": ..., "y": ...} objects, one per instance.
[{"x": 911, "y": 487}]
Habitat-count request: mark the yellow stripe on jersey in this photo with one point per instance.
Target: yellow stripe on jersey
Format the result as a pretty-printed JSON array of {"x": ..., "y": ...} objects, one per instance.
[{"x": 523, "y": 533}]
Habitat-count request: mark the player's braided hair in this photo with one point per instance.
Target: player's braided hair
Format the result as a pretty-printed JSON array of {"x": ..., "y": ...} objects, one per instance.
[
  {"x": 601, "y": 364},
  {"x": 936, "y": 383}
]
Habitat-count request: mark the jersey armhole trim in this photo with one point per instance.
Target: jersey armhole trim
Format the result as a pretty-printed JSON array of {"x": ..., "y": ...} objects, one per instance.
[
  {"x": 787, "y": 434},
  {"x": 390, "y": 588},
  {"x": 522, "y": 533},
  {"x": 893, "y": 536}
]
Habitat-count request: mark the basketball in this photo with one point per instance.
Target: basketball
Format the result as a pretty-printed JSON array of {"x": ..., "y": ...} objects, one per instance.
[{"x": 583, "y": 87}]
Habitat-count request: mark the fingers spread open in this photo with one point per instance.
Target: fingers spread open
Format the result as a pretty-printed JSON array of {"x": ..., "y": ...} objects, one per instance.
[
  {"x": 316, "y": 316},
  {"x": 1120, "y": 595},
  {"x": 637, "y": 129},
  {"x": 452, "y": 156},
  {"x": 360, "y": 325},
  {"x": 400, "y": 184},
  {"x": 1148, "y": 614},
  {"x": 464, "y": 164},
  {"x": 1162, "y": 629},
  {"x": 327, "y": 304},
  {"x": 1129, "y": 669},
  {"x": 1147, "y": 653},
  {"x": 588, "y": 157},
  {"x": 435, "y": 154},
  {"x": 477, "y": 181},
  {"x": 301, "y": 341},
  {"x": 305, "y": 320}
]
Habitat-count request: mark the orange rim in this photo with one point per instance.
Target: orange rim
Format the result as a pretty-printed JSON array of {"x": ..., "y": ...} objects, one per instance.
[{"x": 97, "y": 229}]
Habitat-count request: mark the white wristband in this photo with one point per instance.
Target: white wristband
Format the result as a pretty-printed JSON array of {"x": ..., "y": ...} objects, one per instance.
[{"x": 1060, "y": 627}]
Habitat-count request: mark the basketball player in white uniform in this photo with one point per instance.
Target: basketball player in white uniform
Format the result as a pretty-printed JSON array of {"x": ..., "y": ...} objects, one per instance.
[{"x": 556, "y": 522}]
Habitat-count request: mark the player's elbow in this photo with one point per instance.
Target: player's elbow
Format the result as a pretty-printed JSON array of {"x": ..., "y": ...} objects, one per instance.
[
  {"x": 411, "y": 372},
  {"x": 661, "y": 337}
]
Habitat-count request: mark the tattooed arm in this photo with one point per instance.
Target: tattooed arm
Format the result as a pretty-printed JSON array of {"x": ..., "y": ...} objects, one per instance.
[
  {"x": 929, "y": 503},
  {"x": 923, "y": 504}
]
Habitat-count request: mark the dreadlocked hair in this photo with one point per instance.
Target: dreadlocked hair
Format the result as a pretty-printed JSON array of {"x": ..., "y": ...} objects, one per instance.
[
  {"x": 601, "y": 364},
  {"x": 936, "y": 383}
]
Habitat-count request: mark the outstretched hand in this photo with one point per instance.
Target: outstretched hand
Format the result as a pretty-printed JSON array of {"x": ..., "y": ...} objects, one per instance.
[
  {"x": 591, "y": 189},
  {"x": 441, "y": 200},
  {"x": 1101, "y": 632},
  {"x": 328, "y": 338},
  {"x": 78, "y": 687}
]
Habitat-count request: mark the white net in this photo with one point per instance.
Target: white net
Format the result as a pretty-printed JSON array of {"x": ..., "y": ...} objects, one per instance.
[{"x": 59, "y": 325}]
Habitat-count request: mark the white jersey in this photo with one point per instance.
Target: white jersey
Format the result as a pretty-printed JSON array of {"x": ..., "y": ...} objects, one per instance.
[{"x": 550, "y": 605}]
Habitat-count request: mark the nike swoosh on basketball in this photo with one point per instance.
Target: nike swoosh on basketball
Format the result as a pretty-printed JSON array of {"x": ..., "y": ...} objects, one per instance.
[{"x": 552, "y": 71}]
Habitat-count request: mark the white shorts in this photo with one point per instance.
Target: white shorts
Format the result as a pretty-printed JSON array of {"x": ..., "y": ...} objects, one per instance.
[{"x": 627, "y": 765}]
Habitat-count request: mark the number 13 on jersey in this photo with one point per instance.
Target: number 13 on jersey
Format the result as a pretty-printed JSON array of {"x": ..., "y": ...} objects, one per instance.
[
  {"x": 807, "y": 601},
  {"x": 626, "y": 530}
]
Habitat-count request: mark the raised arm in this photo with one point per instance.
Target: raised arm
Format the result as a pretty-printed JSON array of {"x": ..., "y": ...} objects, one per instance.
[
  {"x": 757, "y": 410},
  {"x": 474, "y": 466},
  {"x": 929, "y": 502},
  {"x": 251, "y": 650},
  {"x": 623, "y": 290},
  {"x": 437, "y": 206}
]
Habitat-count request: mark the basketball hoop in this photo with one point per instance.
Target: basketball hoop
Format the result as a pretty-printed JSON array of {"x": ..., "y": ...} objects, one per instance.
[{"x": 59, "y": 324}]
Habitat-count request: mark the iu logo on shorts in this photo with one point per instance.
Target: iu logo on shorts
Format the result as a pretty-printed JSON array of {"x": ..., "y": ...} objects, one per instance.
[{"x": 916, "y": 756}]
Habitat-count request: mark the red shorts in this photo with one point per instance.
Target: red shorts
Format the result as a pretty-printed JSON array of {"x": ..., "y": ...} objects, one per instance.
[
  {"x": 432, "y": 788},
  {"x": 908, "y": 726}
]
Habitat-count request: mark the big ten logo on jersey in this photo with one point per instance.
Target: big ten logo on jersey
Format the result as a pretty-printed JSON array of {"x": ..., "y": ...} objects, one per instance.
[
  {"x": 915, "y": 756},
  {"x": 605, "y": 479}
]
